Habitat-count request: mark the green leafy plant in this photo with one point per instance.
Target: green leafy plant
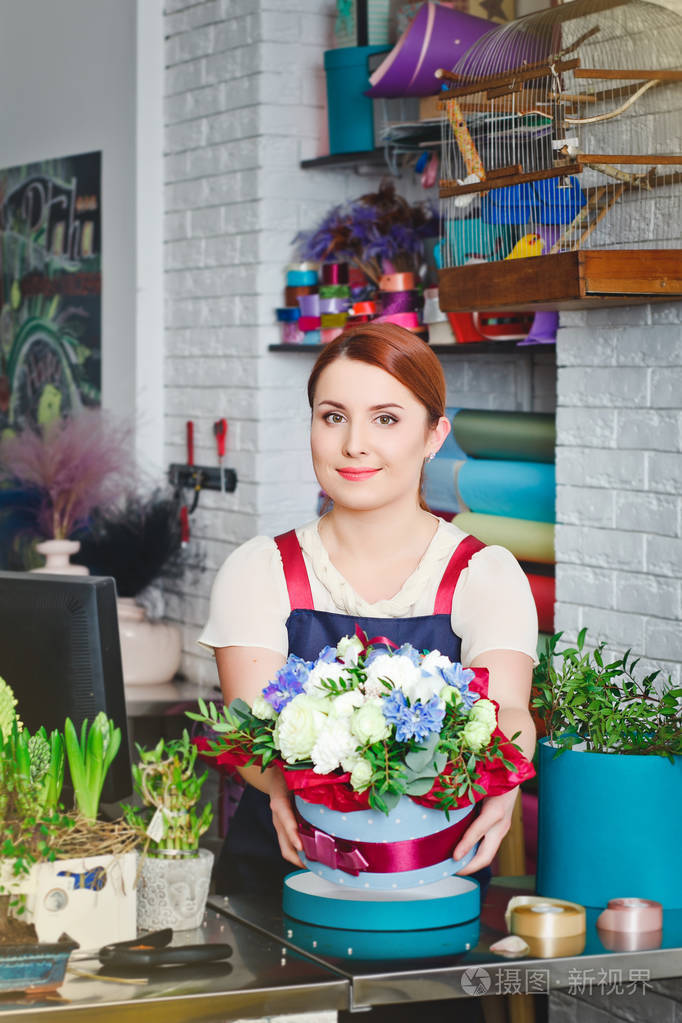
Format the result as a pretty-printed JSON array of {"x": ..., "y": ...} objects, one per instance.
[
  {"x": 90, "y": 757},
  {"x": 580, "y": 698},
  {"x": 170, "y": 789}
]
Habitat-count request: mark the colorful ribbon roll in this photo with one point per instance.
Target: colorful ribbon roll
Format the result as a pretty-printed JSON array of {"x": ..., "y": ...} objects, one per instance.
[
  {"x": 335, "y": 273},
  {"x": 528, "y": 541},
  {"x": 631, "y": 915},
  {"x": 396, "y": 282},
  {"x": 519, "y": 490},
  {"x": 328, "y": 334},
  {"x": 297, "y": 278},
  {"x": 330, "y": 320},
  {"x": 398, "y": 301},
  {"x": 528, "y": 436},
  {"x": 364, "y": 309},
  {"x": 292, "y": 292},
  {"x": 550, "y": 927},
  {"x": 307, "y": 323},
  {"x": 334, "y": 291},
  {"x": 288, "y": 314},
  {"x": 333, "y": 305},
  {"x": 309, "y": 305},
  {"x": 312, "y": 337},
  {"x": 408, "y": 320}
]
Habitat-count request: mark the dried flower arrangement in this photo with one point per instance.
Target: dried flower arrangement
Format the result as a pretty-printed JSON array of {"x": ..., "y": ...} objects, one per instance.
[
  {"x": 68, "y": 468},
  {"x": 380, "y": 232}
]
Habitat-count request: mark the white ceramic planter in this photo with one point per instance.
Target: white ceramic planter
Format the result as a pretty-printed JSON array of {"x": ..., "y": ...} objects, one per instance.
[
  {"x": 57, "y": 554},
  {"x": 150, "y": 651},
  {"x": 92, "y": 899},
  {"x": 172, "y": 891}
]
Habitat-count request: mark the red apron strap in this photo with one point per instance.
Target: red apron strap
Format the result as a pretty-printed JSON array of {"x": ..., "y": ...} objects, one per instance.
[
  {"x": 456, "y": 565},
  {"x": 295, "y": 573}
]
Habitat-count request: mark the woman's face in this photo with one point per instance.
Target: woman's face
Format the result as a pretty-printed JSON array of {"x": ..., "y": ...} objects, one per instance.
[{"x": 369, "y": 436}]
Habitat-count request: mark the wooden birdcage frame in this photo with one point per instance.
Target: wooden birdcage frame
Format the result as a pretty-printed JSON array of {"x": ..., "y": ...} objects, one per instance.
[{"x": 602, "y": 73}]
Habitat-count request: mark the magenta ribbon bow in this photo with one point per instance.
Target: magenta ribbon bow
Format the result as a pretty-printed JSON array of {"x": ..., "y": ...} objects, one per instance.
[
  {"x": 324, "y": 848},
  {"x": 367, "y": 643}
]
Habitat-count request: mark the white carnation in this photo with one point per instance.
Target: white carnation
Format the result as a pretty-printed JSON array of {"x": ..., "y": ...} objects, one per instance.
[
  {"x": 399, "y": 670},
  {"x": 319, "y": 674},
  {"x": 349, "y": 649},
  {"x": 334, "y": 743},
  {"x": 435, "y": 660},
  {"x": 361, "y": 775},
  {"x": 298, "y": 727},
  {"x": 423, "y": 688},
  {"x": 484, "y": 710},
  {"x": 262, "y": 709}
]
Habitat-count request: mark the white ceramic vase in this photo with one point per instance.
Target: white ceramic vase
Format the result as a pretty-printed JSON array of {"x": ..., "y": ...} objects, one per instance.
[
  {"x": 150, "y": 651},
  {"x": 172, "y": 890},
  {"x": 57, "y": 554}
]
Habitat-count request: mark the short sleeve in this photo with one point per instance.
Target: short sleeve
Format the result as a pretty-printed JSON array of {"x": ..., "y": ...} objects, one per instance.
[
  {"x": 493, "y": 607},
  {"x": 249, "y": 603}
]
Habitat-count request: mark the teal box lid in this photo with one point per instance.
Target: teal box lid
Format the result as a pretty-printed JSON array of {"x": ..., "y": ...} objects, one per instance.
[
  {"x": 383, "y": 945},
  {"x": 348, "y": 56}
]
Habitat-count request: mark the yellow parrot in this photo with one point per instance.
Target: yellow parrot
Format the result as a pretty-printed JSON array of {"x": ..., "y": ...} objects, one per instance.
[{"x": 529, "y": 245}]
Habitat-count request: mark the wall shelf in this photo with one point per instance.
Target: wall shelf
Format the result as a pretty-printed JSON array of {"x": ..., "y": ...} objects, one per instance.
[
  {"x": 370, "y": 158},
  {"x": 471, "y": 348}
]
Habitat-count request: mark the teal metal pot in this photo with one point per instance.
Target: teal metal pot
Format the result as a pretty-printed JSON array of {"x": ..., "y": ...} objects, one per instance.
[{"x": 609, "y": 826}]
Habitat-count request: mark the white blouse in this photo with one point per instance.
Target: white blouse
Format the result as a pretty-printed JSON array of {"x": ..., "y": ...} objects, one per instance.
[{"x": 492, "y": 607}]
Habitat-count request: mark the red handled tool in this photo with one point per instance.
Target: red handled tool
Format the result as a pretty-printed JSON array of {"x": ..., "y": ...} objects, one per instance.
[{"x": 220, "y": 431}]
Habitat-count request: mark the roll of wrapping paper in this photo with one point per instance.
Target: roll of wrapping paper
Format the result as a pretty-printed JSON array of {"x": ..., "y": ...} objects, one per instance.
[
  {"x": 519, "y": 490},
  {"x": 334, "y": 305},
  {"x": 396, "y": 282},
  {"x": 292, "y": 293},
  {"x": 330, "y": 320},
  {"x": 335, "y": 273},
  {"x": 399, "y": 301},
  {"x": 528, "y": 436},
  {"x": 334, "y": 291},
  {"x": 550, "y": 927},
  {"x": 528, "y": 541},
  {"x": 439, "y": 484},
  {"x": 543, "y": 588}
]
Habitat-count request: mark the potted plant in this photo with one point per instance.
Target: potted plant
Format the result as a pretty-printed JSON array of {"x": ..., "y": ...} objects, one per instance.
[
  {"x": 137, "y": 541},
  {"x": 175, "y": 873},
  {"x": 62, "y": 872},
  {"x": 64, "y": 470},
  {"x": 610, "y": 778}
]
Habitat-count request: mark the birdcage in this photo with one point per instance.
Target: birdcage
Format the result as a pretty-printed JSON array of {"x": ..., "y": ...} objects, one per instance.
[{"x": 562, "y": 161}]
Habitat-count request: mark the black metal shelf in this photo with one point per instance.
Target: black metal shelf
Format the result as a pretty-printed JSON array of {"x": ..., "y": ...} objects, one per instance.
[
  {"x": 470, "y": 348},
  {"x": 373, "y": 157}
]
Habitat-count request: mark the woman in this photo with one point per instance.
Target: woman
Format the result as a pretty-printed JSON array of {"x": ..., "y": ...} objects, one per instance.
[{"x": 377, "y": 558}]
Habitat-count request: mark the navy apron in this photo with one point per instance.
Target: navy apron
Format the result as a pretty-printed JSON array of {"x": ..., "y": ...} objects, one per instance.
[{"x": 250, "y": 861}]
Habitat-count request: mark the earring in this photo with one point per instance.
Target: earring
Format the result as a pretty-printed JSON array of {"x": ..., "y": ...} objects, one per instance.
[{"x": 431, "y": 456}]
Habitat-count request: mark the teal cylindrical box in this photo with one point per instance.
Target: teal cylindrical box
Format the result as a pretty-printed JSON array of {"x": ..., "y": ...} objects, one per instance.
[
  {"x": 609, "y": 826},
  {"x": 350, "y": 112}
]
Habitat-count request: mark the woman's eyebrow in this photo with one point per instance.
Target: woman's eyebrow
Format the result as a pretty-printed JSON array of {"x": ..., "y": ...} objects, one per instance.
[{"x": 373, "y": 408}]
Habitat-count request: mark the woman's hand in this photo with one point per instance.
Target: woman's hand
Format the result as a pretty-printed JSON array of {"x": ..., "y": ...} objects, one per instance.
[
  {"x": 284, "y": 820},
  {"x": 489, "y": 827}
]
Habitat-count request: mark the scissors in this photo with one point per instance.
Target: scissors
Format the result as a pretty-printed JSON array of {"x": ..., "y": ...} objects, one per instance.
[{"x": 153, "y": 949}]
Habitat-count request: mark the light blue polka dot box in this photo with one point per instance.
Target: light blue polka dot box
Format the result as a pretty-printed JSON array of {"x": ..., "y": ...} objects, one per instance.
[{"x": 378, "y": 869}]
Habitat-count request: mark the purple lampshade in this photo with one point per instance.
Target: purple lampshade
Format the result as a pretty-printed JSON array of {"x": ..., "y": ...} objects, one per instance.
[{"x": 435, "y": 38}]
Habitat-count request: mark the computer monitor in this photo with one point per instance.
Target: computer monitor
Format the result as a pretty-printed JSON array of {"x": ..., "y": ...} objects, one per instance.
[{"x": 61, "y": 654}]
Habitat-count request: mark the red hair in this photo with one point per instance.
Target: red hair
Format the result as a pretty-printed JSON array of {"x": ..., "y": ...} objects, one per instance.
[{"x": 397, "y": 351}]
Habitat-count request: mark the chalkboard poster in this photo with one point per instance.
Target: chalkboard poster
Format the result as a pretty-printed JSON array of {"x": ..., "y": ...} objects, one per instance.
[{"x": 50, "y": 290}]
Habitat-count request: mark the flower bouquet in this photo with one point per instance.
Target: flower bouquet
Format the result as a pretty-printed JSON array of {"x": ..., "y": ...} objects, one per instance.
[{"x": 365, "y": 728}]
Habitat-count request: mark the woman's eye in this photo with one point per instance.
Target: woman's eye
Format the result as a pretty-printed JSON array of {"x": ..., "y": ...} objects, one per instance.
[
  {"x": 385, "y": 419},
  {"x": 333, "y": 417}
]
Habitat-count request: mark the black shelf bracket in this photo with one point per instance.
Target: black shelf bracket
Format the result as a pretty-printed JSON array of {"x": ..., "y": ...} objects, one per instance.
[{"x": 202, "y": 476}]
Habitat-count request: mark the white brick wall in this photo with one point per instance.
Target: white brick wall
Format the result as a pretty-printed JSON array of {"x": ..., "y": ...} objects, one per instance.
[{"x": 619, "y": 480}]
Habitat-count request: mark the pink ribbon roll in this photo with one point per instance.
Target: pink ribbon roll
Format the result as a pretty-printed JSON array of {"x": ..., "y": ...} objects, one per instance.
[
  {"x": 335, "y": 273},
  {"x": 631, "y": 916},
  {"x": 398, "y": 301},
  {"x": 408, "y": 320},
  {"x": 396, "y": 282}
]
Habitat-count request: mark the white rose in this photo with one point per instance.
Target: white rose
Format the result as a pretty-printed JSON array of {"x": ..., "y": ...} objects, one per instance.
[
  {"x": 423, "y": 688},
  {"x": 334, "y": 743},
  {"x": 399, "y": 670},
  {"x": 298, "y": 727},
  {"x": 349, "y": 649},
  {"x": 484, "y": 711},
  {"x": 368, "y": 724},
  {"x": 262, "y": 709},
  {"x": 435, "y": 660},
  {"x": 361, "y": 775},
  {"x": 343, "y": 706},
  {"x": 319, "y": 674},
  {"x": 476, "y": 735}
]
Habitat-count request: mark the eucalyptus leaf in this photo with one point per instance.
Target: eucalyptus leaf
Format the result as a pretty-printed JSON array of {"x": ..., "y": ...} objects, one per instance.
[{"x": 419, "y": 787}]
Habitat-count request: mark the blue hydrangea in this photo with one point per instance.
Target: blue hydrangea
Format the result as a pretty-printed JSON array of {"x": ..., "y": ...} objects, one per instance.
[
  {"x": 459, "y": 677},
  {"x": 288, "y": 682},
  {"x": 327, "y": 655},
  {"x": 412, "y": 722},
  {"x": 407, "y": 650}
]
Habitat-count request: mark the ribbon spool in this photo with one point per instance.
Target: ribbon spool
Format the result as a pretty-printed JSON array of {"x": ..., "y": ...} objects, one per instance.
[
  {"x": 334, "y": 291},
  {"x": 629, "y": 925},
  {"x": 335, "y": 273},
  {"x": 330, "y": 320},
  {"x": 397, "y": 282},
  {"x": 550, "y": 927},
  {"x": 408, "y": 320},
  {"x": 293, "y": 292},
  {"x": 334, "y": 305},
  {"x": 309, "y": 305},
  {"x": 399, "y": 301},
  {"x": 307, "y": 323},
  {"x": 297, "y": 278},
  {"x": 364, "y": 309}
]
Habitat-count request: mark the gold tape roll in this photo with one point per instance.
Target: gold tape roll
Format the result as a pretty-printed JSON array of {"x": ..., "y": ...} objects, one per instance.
[{"x": 555, "y": 948}]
